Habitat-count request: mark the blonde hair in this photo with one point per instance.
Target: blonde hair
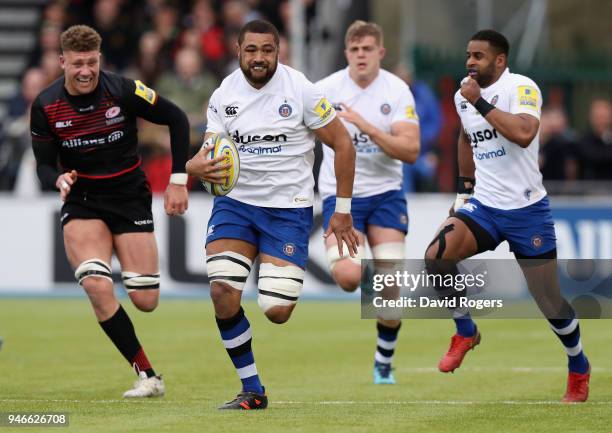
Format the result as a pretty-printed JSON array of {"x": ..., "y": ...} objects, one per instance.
[
  {"x": 360, "y": 29},
  {"x": 80, "y": 38}
]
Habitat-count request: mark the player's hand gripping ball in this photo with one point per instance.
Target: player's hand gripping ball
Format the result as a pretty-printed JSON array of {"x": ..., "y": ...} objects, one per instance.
[{"x": 223, "y": 146}]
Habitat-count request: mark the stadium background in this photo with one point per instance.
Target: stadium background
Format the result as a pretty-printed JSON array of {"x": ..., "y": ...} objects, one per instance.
[{"x": 183, "y": 49}]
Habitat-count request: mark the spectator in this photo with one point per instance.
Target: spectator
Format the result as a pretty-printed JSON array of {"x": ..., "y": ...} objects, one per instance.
[
  {"x": 16, "y": 131},
  {"x": 596, "y": 145},
  {"x": 420, "y": 176},
  {"x": 189, "y": 87},
  {"x": 115, "y": 27},
  {"x": 50, "y": 65},
  {"x": 558, "y": 152},
  {"x": 149, "y": 63},
  {"x": 211, "y": 35}
]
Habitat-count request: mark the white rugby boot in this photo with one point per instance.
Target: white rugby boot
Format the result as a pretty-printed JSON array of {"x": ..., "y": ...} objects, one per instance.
[{"x": 146, "y": 387}]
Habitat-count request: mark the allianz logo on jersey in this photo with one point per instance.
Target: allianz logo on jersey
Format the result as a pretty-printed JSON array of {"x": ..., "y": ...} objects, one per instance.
[{"x": 82, "y": 142}]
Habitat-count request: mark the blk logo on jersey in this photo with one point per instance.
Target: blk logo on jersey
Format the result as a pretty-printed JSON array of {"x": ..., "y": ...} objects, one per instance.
[
  {"x": 64, "y": 124},
  {"x": 285, "y": 110},
  {"x": 231, "y": 111}
]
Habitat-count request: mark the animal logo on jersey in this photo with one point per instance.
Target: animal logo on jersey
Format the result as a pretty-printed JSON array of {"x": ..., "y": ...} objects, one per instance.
[
  {"x": 285, "y": 110},
  {"x": 385, "y": 108},
  {"x": 112, "y": 112},
  {"x": 411, "y": 113},
  {"x": 145, "y": 93},
  {"x": 537, "y": 241},
  {"x": 494, "y": 100},
  {"x": 231, "y": 111},
  {"x": 528, "y": 97},
  {"x": 324, "y": 109},
  {"x": 289, "y": 249}
]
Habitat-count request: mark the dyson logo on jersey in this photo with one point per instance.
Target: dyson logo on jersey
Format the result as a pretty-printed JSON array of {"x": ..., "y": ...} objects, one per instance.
[
  {"x": 246, "y": 139},
  {"x": 480, "y": 136},
  {"x": 491, "y": 154}
]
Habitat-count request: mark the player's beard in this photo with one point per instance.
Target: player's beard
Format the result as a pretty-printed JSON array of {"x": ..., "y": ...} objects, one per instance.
[
  {"x": 259, "y": 80},
  {"x": 485, "y": 76}
]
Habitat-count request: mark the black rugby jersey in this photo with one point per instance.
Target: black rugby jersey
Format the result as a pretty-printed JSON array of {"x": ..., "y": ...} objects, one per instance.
[{"x": 96, "y": 134}]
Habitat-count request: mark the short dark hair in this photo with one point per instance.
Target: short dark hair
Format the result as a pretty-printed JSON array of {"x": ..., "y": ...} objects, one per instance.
[
  {"x": 259, "y": 26},
  {"x": 495, "y": 39},
  {"x": 80, "y": 38}
]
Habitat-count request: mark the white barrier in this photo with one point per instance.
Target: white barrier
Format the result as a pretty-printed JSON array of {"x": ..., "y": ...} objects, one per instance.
[{"x": 32, "y": 258}]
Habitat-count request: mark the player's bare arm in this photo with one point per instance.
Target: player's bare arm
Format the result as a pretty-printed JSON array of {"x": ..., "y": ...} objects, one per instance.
[
  {"x": 518, "y": 128},
  {"x": 402, "y": 143},
  {"x": 467, "y": 170},
  {"x": 335, "y": 135},
  {"x": 207, "y": 169}
]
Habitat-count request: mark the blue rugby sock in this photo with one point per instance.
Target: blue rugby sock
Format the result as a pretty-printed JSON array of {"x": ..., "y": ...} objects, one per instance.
[
  {"x": 568, "y": 331},
  {"x": 236, "y": 335}
]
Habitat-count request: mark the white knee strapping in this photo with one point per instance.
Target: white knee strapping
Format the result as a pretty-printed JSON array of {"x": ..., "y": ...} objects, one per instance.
[
  {"x": 333, "y": 256},
  {"x": 279, "y": 285},
  {"x": 93, "y": 268},
  {"x": 228, "y": 267},
  {"x": 390, "y": 251},
  {"x": 135, "y": 281}
]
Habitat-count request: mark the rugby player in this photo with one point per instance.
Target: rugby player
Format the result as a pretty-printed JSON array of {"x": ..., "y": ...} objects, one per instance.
[
  {"x": 272, "y": 113},
  {"x": 378, "y": 110},
  {"x": 501, "y": 198},
  {"x": 86, "y": 119}
]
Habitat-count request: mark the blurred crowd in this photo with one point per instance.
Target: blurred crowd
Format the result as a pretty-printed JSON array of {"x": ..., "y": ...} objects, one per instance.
[{"x": 184, "y": 48}]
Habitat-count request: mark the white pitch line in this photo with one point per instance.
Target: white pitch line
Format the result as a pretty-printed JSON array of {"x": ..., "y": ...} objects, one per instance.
[
  {"x": 433, "y": 402},
  {"x": 499, "y": 369},
  {"x": 328, "y": 402}
]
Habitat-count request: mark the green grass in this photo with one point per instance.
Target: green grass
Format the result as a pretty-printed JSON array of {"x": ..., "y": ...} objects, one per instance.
[{"x": 317, "y": 369}]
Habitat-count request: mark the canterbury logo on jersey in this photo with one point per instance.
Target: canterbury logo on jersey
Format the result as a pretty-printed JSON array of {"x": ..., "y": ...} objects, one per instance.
[
  {"x": 491, "y": 154},
  {"x": 480, "y": 136},
  {"x": 231, "y": 111},
  {"x": 246, "y": 139}
]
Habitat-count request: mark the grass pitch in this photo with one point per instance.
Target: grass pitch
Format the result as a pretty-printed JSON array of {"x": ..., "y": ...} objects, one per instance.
[{"x": 317, "y": 369}]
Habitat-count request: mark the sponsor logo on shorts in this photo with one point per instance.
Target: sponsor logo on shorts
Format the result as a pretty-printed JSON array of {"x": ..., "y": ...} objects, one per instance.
[
  {"x": 404, "y": 219},
  {"x": 285, "y": 110},
  {"x": 112, "y": 112},
  {"x": 385, "y": 108},
  {"x": 289, "y": 249},
  {"x": 470, "y": 207},
  {"x": 537, "y": 241},
  {"x": 143, "y": 222},
  {"x": 64, "y": 217},
  {"x": 210, "y": 230}
]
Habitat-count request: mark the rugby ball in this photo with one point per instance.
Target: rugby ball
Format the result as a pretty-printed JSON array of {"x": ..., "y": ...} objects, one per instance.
[{"x": 223, "y": 146}]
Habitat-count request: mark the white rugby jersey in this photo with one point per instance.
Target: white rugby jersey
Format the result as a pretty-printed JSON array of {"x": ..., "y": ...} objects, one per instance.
[
  {"x": 272, "y": 128},
  {"x": 385, "y": 101},
  {"x": 507, "y": 176}
]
